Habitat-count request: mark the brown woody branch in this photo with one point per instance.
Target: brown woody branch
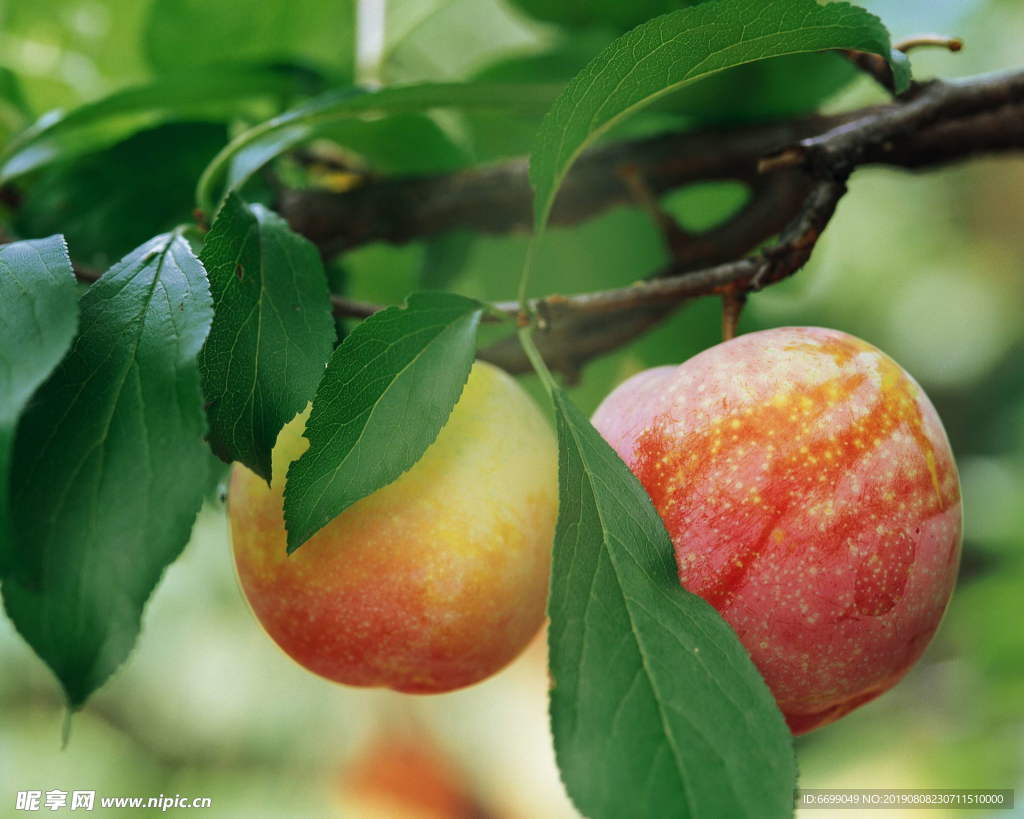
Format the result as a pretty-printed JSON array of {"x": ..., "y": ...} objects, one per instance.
[
  {"x": 498, "y": 198},
  {"x": 577, "y": 328},
  {"x": 796, "y": 169}
]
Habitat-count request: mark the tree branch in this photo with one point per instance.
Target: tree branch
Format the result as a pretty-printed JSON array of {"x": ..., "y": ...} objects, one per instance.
[
  {"x": 498, "y": 198},
  {"x": 797, "y": 171}
]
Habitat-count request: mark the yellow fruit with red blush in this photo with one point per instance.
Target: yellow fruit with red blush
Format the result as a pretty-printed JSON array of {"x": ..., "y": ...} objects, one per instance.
[{"x": 432, "y": 583}]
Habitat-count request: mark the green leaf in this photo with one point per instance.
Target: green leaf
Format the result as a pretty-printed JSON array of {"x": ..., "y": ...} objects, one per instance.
[
  {"x": 656, "y": 703},
  {"x": 389, "y": 388},
  {"x": 201, "y": 32},
  {"x": 110, "y": 465},
  {"x": 271, "y": 334},
  {"x": 215, "y": 95},
  {"x": 252, "y": 149},
  {"x": 38, "y": 314},
  {"x": 668, "y": 52},
  {"x": 108, "y": 202},
  {"x": 780, "y": 87}
]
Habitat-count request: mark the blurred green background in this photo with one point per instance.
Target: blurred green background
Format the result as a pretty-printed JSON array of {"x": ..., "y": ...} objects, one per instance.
[{"x": 928, "y": 267}]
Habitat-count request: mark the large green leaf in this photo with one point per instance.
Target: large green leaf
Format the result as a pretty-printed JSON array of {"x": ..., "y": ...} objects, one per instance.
[
  {"x": 657, "y": 709},
  {"x": 200, "y": 32},
  {"x": 110, "y": 201},
  {"x": 784, "y": 86},
  {"x": 389, "y": 388},
  {"x": 668, "y": 52},
  {"x": 252, "y": 149},
  {"x": 38, "y": 315},
  {"x": 272, "y": 331},
  {"x": 110, "y": 465},
  {"x": 216, "y": 95}
]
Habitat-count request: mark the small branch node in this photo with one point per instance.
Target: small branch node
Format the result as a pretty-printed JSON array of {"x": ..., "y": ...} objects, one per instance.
[
  {"x": 874, "y": 65},
  {"x": 788, "y": 158},
  {"x": 757, "y": 281},
  {"x": 86, "y": 275}
]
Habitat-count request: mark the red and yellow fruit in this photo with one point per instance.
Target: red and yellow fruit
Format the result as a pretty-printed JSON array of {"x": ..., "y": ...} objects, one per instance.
[
  {"x": 430, "y": 584},
  {"x": 812, "y": 498}
]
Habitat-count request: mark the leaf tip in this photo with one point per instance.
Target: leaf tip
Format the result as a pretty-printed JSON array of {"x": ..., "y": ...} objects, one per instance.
[{"x": 65, "y": 729}]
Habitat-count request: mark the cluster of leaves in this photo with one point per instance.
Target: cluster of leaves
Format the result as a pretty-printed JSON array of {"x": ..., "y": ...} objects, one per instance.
[{"x": 107, "y": 395}]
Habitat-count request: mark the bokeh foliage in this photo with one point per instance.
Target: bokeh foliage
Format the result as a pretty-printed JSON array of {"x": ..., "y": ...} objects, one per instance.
[{"x": 926, "y": 267}]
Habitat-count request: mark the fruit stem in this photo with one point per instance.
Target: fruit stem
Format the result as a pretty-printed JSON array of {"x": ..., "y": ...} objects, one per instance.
[
  {"x": 733, "y": 300},
  {"x": 533, "y": 354}
]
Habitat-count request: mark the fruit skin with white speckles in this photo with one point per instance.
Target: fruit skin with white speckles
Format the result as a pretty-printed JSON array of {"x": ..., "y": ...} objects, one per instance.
[
  {"x": 812, "y": 498},
  {"x": 432, "y": 583}
]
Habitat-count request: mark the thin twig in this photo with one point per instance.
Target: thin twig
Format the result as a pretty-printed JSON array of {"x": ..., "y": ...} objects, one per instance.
[
  {"x": 674, "y": 236},
  {"x": 953, "y": 44},
  {"x": 878, "y": 68},
  {"x": 733, "y": 299}
]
